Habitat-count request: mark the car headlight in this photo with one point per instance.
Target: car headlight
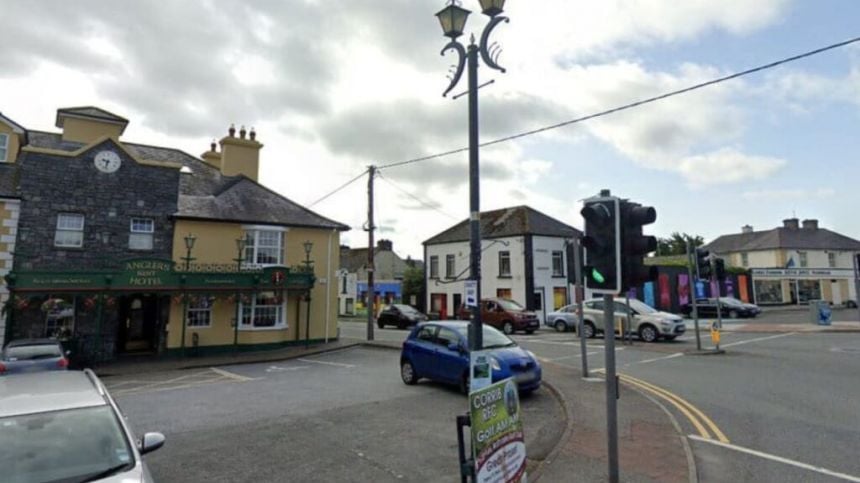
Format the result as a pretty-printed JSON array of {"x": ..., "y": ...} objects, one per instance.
[{"x": 495, "y": 364}]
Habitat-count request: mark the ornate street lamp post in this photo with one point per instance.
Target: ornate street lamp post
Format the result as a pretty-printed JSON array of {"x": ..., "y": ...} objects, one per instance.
[
  {"x": 308, "y": 246},
  {"x": 241, "y": 242},
  {"x": 452, "y": 18},
  {"x": 189, "y": 245}
]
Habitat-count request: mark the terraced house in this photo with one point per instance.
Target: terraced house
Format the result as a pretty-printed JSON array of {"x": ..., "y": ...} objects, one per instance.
[
  {"x": 12, "y": 136},
  {"x": 129, "y": 248}
]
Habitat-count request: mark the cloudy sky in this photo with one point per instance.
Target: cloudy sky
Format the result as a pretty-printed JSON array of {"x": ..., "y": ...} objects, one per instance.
[{"x": 332, "y": 87}]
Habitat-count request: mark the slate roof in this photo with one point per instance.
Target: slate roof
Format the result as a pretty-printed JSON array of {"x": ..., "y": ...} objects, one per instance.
[
  {"x": 784, "y": 238},
  {"x": 515, "y": 221},
  {"x": 90, "y": 111},
  {"x": 207, "y": 194},
  {"x": 354, "y": 259}
]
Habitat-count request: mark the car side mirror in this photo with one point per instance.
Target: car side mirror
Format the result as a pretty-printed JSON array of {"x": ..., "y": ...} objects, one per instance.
[
  {"x": 455, "y": 347},
  {"x": 151, "y": 442}
]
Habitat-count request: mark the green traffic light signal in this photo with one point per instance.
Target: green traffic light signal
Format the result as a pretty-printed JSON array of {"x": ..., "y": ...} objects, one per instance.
[{"x": 597, "y": 276}]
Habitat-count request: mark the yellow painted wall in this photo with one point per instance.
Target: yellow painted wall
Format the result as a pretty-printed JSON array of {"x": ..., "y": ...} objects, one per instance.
[
  {"x": 216, "y": 243},
  {"x": 826, "y": 290},
  {"x": 14, "y": 143},
  {"x": 240, "y": 156},
  {"x": 86, "y": 131}
]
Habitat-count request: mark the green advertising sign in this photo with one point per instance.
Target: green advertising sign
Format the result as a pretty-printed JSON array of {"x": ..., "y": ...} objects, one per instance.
[{"x": 498, "y": 443}]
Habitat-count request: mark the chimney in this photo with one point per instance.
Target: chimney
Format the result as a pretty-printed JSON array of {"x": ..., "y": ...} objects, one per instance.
[
  {"x": 385, "y": 245},
  {"x": 212, "y": 157},
  {"x": 810, "y": 224},
  {"x": 240, "y": 155},
  {"x": 791, "y": 223},
  {"x": 746, "y": 229}
]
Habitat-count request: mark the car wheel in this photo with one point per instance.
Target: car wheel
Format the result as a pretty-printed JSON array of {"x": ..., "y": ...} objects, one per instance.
[
  {"x": 648, "y": 333},
  {"x": 590, "y": 331},
  {"x": 733, "y": 314},
  {"x": 407, "y": 373},
  {"x": 851, "y": 304},
  {"x": 380, "y": 324},
  {"x": 530, "y": 331},
  {"x": 464, "y": 383},
  {"x": 560, "y": 326},
  {"x": 508, "y": 327}
]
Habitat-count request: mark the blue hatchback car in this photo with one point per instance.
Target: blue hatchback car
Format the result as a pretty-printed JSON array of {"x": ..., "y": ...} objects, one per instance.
[{"x": 439, "y": 351}]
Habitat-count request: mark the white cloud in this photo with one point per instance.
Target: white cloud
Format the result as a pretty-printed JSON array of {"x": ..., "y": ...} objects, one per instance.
[
  {"x": 728, "y": 165},
  {"x": 795, "y": 194}
]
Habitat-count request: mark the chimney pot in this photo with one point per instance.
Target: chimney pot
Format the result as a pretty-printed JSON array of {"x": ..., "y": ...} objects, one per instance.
[
  {"x": 791, "y": 223},
  {"x": 810, "y": 224},
  {"x": 253, "y": 134},
  {"x": 232, "y": 130},
  {"x": 746, "y": 229},
  {"x": 242, "y": 132},
  {"x": 386, "y": 245},
  {"x": 212, "y": 146}
]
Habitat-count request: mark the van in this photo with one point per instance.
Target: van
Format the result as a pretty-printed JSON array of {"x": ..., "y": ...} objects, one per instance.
[{"x": 505, "y": 315}]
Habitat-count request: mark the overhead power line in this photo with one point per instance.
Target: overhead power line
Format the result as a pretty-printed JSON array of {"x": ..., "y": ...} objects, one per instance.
[
  {"x": 631, "y": 105},
  {"x": 334, "y": 191},
  {"x": 424, "y": 203}
]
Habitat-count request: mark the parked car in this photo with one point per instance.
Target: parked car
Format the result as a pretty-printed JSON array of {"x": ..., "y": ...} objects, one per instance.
[
  {"x": 399, "y": 315},
  {"x": 563, "y": 319},
  {"x": 439, "y": 351},
  {"x": 505, "y": 315},
  {"x": 730, "y": 307},
  {"x": 33, "y": 355},
  {"x": 649, "y": 323},
  {"x": 64, "y": 426}
]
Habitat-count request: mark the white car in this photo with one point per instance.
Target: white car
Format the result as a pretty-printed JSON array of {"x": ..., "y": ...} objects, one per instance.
[{"x": 649, "y": 323}]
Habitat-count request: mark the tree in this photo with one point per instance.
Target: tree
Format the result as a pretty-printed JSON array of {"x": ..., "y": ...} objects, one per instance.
[
  {"x": 413, "y": 284},
  {"x": 676, "y": 244}
]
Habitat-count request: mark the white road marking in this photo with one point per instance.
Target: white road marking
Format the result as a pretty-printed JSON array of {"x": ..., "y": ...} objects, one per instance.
[
  {"x": 285, "y": 369},
  {"x": 760, "y": 339},
  {"x": 338, "y": 364},
  {"x": 231, "y": 375},
  {"x": 646, "y": 361},
  {"x": 778, "y": 459}
]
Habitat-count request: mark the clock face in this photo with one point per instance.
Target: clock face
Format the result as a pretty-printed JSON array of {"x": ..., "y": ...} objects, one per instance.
[{"x": 107, "y": 161}]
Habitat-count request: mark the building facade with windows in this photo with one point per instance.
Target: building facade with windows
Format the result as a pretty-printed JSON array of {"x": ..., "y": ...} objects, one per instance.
[
  {"x": 12, "y": 136},
  {"x": 794, "y": 263},
  {"x": 130, "y": 248},
  {"x": 388, "y": 277},
  {"x": 525, "y": 257}
]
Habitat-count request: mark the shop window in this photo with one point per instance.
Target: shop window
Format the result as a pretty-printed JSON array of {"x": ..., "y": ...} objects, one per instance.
[
  {"x": 70, "y": 230},
  {"x": 200, "y": 312},
  {"x": 745, "y": 259},
  {"x": 265, "y": 311},
  {"x": 804, "y": 261},
  {"x": 768, "y": 292},
  {"x": 450, "y": 265},
  {"x": 4, "y": 148},
  {"x": 558, "y": 264},
  {"x": 142, "y": 230},
  {"x": 505, "y": 264},
  {"x": 59, "y": 317},
  {"x": 831, "y": 260},
  {"x": 808, "y": 290},
  {"x": 434, "y": 266},
  {"x": 264, "y": 247}
]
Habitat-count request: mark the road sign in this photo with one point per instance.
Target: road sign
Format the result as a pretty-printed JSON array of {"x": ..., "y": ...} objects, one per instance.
[
  {"x": 471, "y": 293},
  {"x": 498, "y": 442}
]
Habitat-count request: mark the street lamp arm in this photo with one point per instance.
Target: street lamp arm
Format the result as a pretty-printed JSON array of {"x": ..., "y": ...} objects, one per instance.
[
  {"x": 489, "y": 53},
  {"x": 461, "y": 64}
]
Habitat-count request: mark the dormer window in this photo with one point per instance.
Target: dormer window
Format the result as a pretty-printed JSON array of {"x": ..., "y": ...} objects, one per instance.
[{"x": 4, "y": 148}]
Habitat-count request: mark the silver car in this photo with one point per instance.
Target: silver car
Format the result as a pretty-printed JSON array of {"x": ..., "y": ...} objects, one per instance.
[
  {"x": 646, "y": 321},
  {"x": 64, "y": 426}
]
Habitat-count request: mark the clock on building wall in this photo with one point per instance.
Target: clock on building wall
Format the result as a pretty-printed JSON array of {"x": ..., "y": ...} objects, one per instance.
[{"x": 107, "y": 161}]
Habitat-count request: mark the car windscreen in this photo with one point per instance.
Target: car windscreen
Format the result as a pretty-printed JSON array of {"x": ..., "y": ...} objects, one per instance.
[
  {"x": 406, "y": 309},
  {"x": 69, "y": 445},
  {"x": 510, "y": 305},
  {"x": 493, "y": 339},
  {"x": 730, "y": 301},
  {"x": 641, "y": 307},
  {"x": 32, "y": 352}
]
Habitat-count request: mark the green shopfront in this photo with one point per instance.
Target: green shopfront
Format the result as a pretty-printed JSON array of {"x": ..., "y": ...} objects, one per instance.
[{"x": 158, "y": 307}]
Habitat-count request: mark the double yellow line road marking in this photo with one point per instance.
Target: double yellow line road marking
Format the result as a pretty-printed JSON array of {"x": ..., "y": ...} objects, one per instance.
[{"x": 704, "y": 425}]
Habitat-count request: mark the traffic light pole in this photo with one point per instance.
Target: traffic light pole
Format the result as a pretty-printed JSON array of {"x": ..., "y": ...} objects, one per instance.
[
  {"x": 611, "y": 387},
  {"x": 693, "y": 296},
  {"x": 580, "y": 302}
]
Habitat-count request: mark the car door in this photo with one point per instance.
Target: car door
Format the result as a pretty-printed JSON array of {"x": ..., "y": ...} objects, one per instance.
[
  {"x": 490, "y": 314},
  {"x": 594, "y": 311},
  {"x": 450, "y": 364},
  {"x": 423, "y": 352}
]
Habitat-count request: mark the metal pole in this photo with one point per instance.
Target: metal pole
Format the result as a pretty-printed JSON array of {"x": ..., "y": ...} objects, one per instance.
[
  {"x": 719, "y": 309},
  {"x": 628, "y": 336},
  {"x": 611, "y": 387},
  {"x": 856, "y": 282},
  {"x": 693, "y": 296},
  {"x": 308, "y": 322},
  {"x": 371, "y": 290},
  {"x": 474, "y": 198},
  {"x": 580, "y": 301}
]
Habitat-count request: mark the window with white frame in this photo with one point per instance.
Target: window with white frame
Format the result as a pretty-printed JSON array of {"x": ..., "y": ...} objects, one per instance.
[
  {"x": 450, "y": 266},
  {"x": 70, "y": 230},
  {"x": 557, "y": 264},
  {"x": 265, "y": 311},
  {"x": 505, "y": 264},
  {"x": 434, "y": 266},
  {"x": 745, "y": 259},
  {"x": 831, "y": 259},
  {"x": 200, "y": 312},
  {"x": 4, "y": 148},
  {"x": 140, "y": 237},
  {"x": 264, "y": 247},
  {"x": 804, "y": 260}
]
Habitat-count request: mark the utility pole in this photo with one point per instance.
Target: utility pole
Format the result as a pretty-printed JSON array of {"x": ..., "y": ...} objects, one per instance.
[
  {"x": 474, "y": 198},
  {"x": 371, "y": 290},
  {"x": 693, "y": 294}
]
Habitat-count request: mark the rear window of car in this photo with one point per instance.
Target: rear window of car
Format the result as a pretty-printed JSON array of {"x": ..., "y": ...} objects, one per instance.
[{"x": 32, "y": 352}]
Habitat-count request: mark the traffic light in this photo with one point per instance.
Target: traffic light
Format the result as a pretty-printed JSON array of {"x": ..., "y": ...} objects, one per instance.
[
  {"x": 703, "y": 263},
  {"x": 720, "y": 269},
  {"x": 635, "y": 246},
  {"x": 601, "y": 269}
]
